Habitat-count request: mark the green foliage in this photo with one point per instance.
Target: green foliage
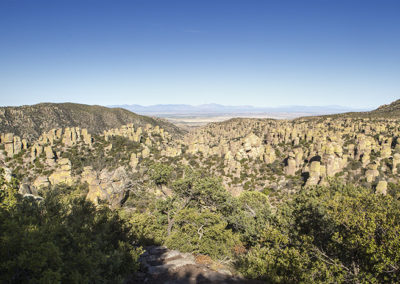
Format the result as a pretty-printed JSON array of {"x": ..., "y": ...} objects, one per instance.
[
  {"x": 250, "y": 215},
  {"x": 274, "y": 259},
  {"x": 192, "y": 219},
  {"x": 202, "y": 192},
  {"x": 354, "y": 165},
  {"x": 202, "y": 232},
  {"x": 9, "y": 197},
  {"x": 160, "y": 174},
  {"x": 148, "y": 229},
  {"x": 62, "y": 239},
  {"x": 96, "y": 156},
  {"x": 330, "y": 234}
]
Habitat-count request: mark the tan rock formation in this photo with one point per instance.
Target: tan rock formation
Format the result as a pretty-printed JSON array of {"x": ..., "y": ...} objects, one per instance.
[
  {"x": 87, "y": 138},
  {"x": 145, "y": 152},
  {"x": 315, "y": 173},
  {"x": 134, "y": 161},
  {"x": 290, "y": 168},
  {"x": 36, "y": 150},
  {"x": 8, "y": 141},
  {"x": 107, "y": 186},
  {"x": 372, "y": 173},
  {"x": 41, "y": 182},
  {"x": 381, "y": 188},
  {"x": 63, "y": 173},
  {"x": 396, "y": 162}
]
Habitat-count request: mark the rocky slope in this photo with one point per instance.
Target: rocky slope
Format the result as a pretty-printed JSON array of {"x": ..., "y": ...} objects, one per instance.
[
  {"x": 32, "y": 121},
  {"x": 285, "y": 155},
  {"x": 274, "y": 156},
  {"x": 106, "y": 163}
]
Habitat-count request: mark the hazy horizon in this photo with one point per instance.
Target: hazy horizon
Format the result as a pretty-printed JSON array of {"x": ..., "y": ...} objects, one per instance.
[{"x": 206, "y": 104}]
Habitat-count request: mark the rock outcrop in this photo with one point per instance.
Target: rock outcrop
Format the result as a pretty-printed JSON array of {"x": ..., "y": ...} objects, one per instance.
[
  {"x": 62, "y": 175},
  {"x": 161, "y": 265},
  {"x": 108, "y": 186}
]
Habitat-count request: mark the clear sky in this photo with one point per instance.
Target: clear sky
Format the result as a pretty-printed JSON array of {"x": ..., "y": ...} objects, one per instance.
[{"x": 232, "y": 52}]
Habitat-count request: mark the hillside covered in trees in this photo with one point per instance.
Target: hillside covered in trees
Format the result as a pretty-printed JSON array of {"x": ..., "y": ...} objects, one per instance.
[{"x": 31, "y": 121}]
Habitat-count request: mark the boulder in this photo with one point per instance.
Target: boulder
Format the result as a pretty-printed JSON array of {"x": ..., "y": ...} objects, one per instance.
[
  {"x": 41, "y": 182},
  {"x": 62, "y": 175},
  {"x": 381, "y": 188},
  {"x": 108, "y": 186}
]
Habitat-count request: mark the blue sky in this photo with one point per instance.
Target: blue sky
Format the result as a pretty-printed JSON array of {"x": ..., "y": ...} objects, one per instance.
[{"x": 232, "y": 52}]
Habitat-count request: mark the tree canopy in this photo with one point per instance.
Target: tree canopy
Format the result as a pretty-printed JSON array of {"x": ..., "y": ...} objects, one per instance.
[{"x": 59, "y": 239}]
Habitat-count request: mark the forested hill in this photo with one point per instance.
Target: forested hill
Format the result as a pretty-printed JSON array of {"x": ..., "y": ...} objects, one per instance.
[
  {"x": 32, "y": 120},
  {"x": 389, "y": 111}
]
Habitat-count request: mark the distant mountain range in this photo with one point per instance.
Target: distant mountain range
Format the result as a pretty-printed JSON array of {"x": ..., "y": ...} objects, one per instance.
[{"x": 217, "y": 109}]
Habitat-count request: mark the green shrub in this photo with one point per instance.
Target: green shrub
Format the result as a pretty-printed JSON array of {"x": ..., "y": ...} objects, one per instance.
[
  {"x": 202, "y": 232},
  {"x": 333, "y": 234},
  {"x": 147, "y": 229},
  {"x": 160, "y": 173},
  {"x": 62, "y": 240}
]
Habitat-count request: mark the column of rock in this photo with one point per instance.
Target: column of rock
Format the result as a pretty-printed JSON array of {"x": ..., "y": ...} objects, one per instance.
[
  {"x": 67, "y": 137},
  {"x": 397, "y": 147},
  {"x": 17, "y": 144},
  {"x": 386, "y": 150},
  {"x": 24, "y": 144},
  {"x": 96, "y": 192},
  {"x": 8, "y": 142},
  {"x": 269, "y": 155},
  {"x": 36, "y": 150},
  {"x": 315, "y": 173},
  {"x": 87, "y": 138},
  {"x": 134, "y": 161},
  {"x": 50, "y": 156},
  {"x": 396, "y": 162},
  {"x": 138, "y": 135},
  {"x": 290, "y": 168},
  {"x": 331, "y": 160}
]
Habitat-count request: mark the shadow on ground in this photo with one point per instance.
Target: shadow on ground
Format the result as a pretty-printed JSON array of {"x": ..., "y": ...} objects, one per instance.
[{"x": 163, "y": 266}]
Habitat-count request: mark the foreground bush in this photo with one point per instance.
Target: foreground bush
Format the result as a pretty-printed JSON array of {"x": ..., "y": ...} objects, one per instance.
[
  {"x": 62, "y": 240},
  {"x": 330, "y": 234},
  {"x": 202, "y": 232}
]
